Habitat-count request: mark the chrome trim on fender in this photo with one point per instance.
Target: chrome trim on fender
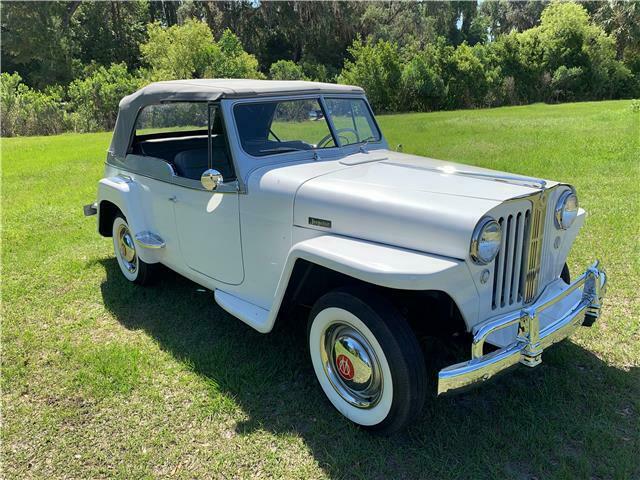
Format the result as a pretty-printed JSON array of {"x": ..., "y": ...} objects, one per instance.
[
  {"x": 148, "y": 239},
  {"x": 531, "y": 340}
]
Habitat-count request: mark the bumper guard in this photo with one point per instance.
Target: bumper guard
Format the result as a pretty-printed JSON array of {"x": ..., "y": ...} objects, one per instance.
[{"x": 531, "y": 340}]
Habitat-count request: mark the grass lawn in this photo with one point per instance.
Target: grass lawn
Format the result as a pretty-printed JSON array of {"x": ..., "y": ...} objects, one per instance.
[{"x": 104, "y": 379}]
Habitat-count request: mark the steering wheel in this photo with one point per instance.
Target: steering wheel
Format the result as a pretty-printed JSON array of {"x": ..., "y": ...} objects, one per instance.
[{"x": 326, "y": 138}]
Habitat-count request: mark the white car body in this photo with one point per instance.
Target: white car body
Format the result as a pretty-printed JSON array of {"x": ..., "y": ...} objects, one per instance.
[{"x": 385, "y": 218}]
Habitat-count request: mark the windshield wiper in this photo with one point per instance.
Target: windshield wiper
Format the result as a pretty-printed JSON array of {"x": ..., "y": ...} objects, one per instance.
[{"x": 282, "y": 150}]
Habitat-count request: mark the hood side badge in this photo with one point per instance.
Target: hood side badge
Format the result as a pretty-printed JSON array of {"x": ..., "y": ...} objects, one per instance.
[{"x": 319, "y": 222}]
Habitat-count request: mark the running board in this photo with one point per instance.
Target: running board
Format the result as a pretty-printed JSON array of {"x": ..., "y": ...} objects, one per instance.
[
  {"x": 148, "y": 239},
  {"x": 251, "y": 314}
]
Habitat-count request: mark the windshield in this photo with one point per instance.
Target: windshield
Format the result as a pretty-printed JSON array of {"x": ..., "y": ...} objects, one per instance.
[
  {"x": 352, "y": 120},
  {"x": 272, "y": 127},
  {"x": 284, "y": 126}
]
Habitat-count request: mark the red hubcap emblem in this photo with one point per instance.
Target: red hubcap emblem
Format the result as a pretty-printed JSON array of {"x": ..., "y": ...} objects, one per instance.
[{"x": 345, "y": 367}]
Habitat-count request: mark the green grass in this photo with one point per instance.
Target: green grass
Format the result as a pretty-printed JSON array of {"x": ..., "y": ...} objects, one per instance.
[{"x": 104, "y": 379}]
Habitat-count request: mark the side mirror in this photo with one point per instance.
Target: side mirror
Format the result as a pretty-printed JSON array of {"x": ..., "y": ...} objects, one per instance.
[{"x": 210, "y": 179}]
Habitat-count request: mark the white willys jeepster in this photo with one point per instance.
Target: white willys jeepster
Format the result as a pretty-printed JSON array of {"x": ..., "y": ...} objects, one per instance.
[{"x": 285, "y": 195}]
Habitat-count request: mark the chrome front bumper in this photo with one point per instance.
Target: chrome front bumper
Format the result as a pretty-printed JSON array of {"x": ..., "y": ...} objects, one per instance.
[{"x": 531, "y": 340}]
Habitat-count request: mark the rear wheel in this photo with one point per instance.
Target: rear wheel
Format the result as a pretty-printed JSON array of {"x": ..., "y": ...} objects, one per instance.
[
  {"x": 131, "y": 265},
  {"x": 367, "y": 359}
]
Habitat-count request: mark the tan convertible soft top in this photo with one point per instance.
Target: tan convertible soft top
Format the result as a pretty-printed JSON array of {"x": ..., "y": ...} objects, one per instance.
[{"x": 207, "y": 90}]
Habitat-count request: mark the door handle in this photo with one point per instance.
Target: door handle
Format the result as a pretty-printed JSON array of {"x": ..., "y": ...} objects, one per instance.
[{"x": 173, "y": 199}]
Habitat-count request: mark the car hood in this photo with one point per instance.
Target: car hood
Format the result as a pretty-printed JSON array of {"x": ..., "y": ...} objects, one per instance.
[{"x": 406, "y": 200}]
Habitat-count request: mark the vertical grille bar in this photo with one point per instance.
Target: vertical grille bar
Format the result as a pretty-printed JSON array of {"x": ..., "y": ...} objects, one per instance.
[
  {"x": 499, "y": 269},
  {"x": 516, "y": 285},
  {"x": 535, "y": 250},
  {"x": 509, "y": 252}
]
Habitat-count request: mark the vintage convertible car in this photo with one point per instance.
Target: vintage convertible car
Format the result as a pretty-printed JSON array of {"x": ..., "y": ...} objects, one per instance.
[{"x": 284, "y": 196}]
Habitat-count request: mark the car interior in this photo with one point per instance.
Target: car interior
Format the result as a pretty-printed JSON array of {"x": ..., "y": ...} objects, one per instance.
[
  {"x": 186, "y": 151},
  {"x": 255, "y": 125}
]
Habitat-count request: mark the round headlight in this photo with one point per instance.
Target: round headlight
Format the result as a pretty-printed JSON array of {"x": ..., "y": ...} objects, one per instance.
[
  {"x": 485, "y": 241},
  {"x": 566, "y": 210}
]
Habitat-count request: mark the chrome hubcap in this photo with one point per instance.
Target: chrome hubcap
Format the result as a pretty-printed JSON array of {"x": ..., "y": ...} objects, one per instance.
[
  {"x": 127, "y": 248},
  {"x": 351, "y": 365}
]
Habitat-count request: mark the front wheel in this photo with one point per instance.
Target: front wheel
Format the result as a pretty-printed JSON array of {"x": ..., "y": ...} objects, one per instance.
[{"x": 367, "y": 359}]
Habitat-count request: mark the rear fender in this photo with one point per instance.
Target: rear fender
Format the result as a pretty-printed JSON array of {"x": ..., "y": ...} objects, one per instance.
[{"x": 125, "y": 194}]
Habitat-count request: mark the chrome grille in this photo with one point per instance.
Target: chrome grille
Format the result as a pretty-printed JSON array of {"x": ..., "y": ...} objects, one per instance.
[{"x": 517, "y": 265}]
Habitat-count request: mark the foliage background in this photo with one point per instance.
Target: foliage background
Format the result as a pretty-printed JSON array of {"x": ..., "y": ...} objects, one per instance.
[{"x": 66, "y": 64}]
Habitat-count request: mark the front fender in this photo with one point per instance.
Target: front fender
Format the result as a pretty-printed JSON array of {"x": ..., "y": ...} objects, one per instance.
[{"x": 386, "y": 266}]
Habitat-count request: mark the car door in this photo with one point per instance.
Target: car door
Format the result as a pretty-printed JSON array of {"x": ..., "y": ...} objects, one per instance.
[{"x": 208, "y": 222}]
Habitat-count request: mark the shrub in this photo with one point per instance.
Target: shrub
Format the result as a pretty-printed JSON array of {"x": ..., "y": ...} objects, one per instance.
[
  {"x": 94, "y": 98},
  {"x": 231, "y": 61},
  {"x": 422, "y": 86},
  {"x": 318, "y": 72},
  {"x": 286, "y": 70},
  {"x": 376, "y": 67},
  {"x": 566, "y": 81},
  {"x": 190, "y": 51},
  {"x": 25, "y": 111},
  {"x": 469, "y": 77}
]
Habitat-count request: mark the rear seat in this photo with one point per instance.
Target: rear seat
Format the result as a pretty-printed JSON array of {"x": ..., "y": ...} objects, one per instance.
[
  {"x": 193, "y": 163},
  {"x": 188, "y": 156}
]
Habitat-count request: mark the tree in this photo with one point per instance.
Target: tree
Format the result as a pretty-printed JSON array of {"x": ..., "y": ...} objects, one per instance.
[
  {"x": 286, "y": 70},
  {"x": 94, "y": 98},
  {"x": 422, "y": 86},
  {"x": 403, "y": 23},
  {"x": 190, "y": 51},
  {"x": 504, "y": 16},
  {"x": 621, "y": 19},
  {"x": 377, "y": 67},
  {"x": 568, "y": 39},
  {"x": 470, "y": 76},
  {"x": 298, "y": 31},
  {"x": 36, "y": 40},
  {"x": 110, "y": 32}
]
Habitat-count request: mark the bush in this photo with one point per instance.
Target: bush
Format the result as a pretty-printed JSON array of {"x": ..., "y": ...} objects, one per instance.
[
  {"x": 190, "y": 51},
  {"x": 25, "y": 111},
  {"x": 318, "y": 72},
  {"x": 231, "y": 61},
  {"x": 471, "y": 80},
  {"x": 376, "y": 67},
  {"x": 422, "y": 86},
  {"x": 565, "y": 81},
  {"x": 93, "y": 99},
  {"x": 286, "y": 70}
]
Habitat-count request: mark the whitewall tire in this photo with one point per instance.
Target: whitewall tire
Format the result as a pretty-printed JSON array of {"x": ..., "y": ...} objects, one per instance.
[
  {"x": 132, "y": 267},
  {"x": 367, "y": 359}
]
